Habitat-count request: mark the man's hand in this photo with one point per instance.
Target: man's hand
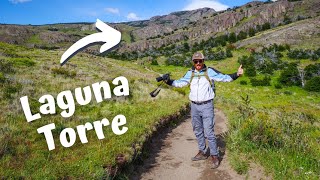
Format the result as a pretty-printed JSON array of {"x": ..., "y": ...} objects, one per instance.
[
  {"x": 240, "y": 71},
  {"x": 166, "y": 77}
]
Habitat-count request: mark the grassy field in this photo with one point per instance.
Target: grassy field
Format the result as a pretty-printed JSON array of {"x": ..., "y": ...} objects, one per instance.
[
  {"x": 24, "y": 152},
  {"x": 278, "y": 128}
]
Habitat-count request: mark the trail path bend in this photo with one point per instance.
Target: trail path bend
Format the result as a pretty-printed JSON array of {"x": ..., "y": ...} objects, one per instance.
[{"x": 170, "y": 156}]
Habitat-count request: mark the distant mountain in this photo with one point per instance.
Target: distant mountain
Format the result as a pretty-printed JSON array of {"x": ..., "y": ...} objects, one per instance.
[{"x": 183, "y": 26}]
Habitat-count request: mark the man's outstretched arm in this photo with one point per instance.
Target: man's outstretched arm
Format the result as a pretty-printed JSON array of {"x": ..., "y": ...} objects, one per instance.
[
  {"x": 185, "y": 80},
  {"x": 218, "y": 76}
]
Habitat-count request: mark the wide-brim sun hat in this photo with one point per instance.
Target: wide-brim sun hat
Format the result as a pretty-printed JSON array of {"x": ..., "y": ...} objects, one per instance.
[{"x": 197, "y": 55}]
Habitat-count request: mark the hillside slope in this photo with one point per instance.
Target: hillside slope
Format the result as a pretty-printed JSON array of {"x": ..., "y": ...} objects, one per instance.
[
  {"x": 177, "y": 27},
  {"x": 305, "y": 33}
]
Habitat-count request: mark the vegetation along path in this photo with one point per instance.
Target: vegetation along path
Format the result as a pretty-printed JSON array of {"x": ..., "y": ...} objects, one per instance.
[{"x": 170, "y": 156}]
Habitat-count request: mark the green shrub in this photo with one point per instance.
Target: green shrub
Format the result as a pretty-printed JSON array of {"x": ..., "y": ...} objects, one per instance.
[
  {"x": 22, "y": 62},
  {"x": 154, "y": 62},
  {"x": 261, "y": 82},
  {"x": 304, "y": 54},
  {"x": 228, "y": 53},
  {"x": 179, "y": 60},
  {"x": 313, "y": 84},
  {"x": 64, "y": 72},
  {"x": 290, "y": 76},
  {"x": 232, "y": 37},
  {"x": 312, "y": 70},
  {"x": 250, "y": 71},
  {"x": 243, "y": 82},
  {"x": 287, "y": 92},
  {"x": 278, "y": 86},
  {"x": 286, "y": 20},
  {"x": 266, "y": 26},
  {"x": 246, "y": 61},
  {"x": 11, "y": 89},
  {"x": 242, "y": 35},
  {"x": 252, "y": 32},
  {"x": 6, "y": 66},
  {"x": 2, "y": 78}
]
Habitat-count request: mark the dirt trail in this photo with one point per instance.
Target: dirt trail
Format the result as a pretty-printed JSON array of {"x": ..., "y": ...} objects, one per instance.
[{"x": 171, "y": 155}]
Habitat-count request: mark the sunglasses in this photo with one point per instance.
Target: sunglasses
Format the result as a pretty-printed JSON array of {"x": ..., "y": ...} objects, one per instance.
[{"x": 200, "y": 61}]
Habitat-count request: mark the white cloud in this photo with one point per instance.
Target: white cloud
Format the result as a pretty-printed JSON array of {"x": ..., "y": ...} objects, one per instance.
[
  {"x": 19, "y": 1},
  {"x": 214, "y": 4},
  {"x": 132, "y": 16},
  {"x": 112, "y": 10}
]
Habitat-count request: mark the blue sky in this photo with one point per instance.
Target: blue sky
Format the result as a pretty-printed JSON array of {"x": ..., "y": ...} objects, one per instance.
[{"x": 38, "y": 12}]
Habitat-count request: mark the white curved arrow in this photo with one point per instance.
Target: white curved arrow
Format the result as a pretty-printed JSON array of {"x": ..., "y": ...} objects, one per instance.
[{"x": 109, "y": 35}]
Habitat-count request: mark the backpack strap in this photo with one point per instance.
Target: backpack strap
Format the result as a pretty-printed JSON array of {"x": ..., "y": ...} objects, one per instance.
[
  {"x": 192, "y": 76},
  {"x": 205, "y": 75}
]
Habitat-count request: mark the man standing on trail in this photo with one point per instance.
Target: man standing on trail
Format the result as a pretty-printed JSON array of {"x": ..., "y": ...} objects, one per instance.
[{"x": 202, "y": 92}]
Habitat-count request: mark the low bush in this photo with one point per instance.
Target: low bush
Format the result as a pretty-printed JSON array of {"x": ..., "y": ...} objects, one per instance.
[
  {"x": 154, "y": 62},
  {"x": 11, "y": 89},
  {"x": 261, "y": 82},
  {"x": 2, "y": 78},
  {"x": 243, "y": 82},
  {"x": 304, "y": 54},
  {"x": 278, "y": 86},
  {"x": 250, "y": 71},
  {"x": 64, "y": 72},
  {"x": 290, "y": 76},
  {"x": 179, "y": 60},
  {"x": 287, "y": 92},
  {"x": 313, "y": 84},
  {"x": 312, "y": 70},
  {"x": 6, "y": 66}
]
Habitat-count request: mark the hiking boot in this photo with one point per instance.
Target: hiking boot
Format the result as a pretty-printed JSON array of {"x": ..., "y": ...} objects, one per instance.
[
  {"x": 199, "y": 156},
  {"x": 215, "y": 162}
]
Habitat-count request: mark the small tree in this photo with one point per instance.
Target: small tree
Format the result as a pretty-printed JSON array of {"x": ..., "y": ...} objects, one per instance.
[
  {"x": 186, "y": 47},
  {"x": 250, "y": 71},
  {"x": 232, "y": 37},
  {"x": 286, "y": 20},
  {"x": 313, "y": 84},
  {"x": 290, "y": 76},
  {"x": 228, "y": 53},
  {"x": 312, "y": 70},
  {"x": 266, "y": 26},
  {"x": 252, "y": 32},
  {"x": 242, "y": 35}
]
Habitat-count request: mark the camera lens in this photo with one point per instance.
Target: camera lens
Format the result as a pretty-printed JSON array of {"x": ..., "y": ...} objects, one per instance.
[{"x": 159, "y": 79}]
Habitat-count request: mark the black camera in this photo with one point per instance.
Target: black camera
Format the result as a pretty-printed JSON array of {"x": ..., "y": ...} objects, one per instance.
[{"x": 163, "y": 77}]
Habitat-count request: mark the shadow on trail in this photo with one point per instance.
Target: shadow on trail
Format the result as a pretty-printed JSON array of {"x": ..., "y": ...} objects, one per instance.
[
  {"x": 221, "y": 143},
  {"x": 147, "y": 159}
]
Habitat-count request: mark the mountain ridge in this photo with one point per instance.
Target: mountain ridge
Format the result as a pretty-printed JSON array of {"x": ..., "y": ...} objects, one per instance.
[{"x": 176, "y": 27}]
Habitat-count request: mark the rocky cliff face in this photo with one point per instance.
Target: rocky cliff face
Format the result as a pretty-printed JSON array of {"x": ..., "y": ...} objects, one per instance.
[
  {"x": 207, "y": 23},
  {"x": 160, "y": 25}
]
